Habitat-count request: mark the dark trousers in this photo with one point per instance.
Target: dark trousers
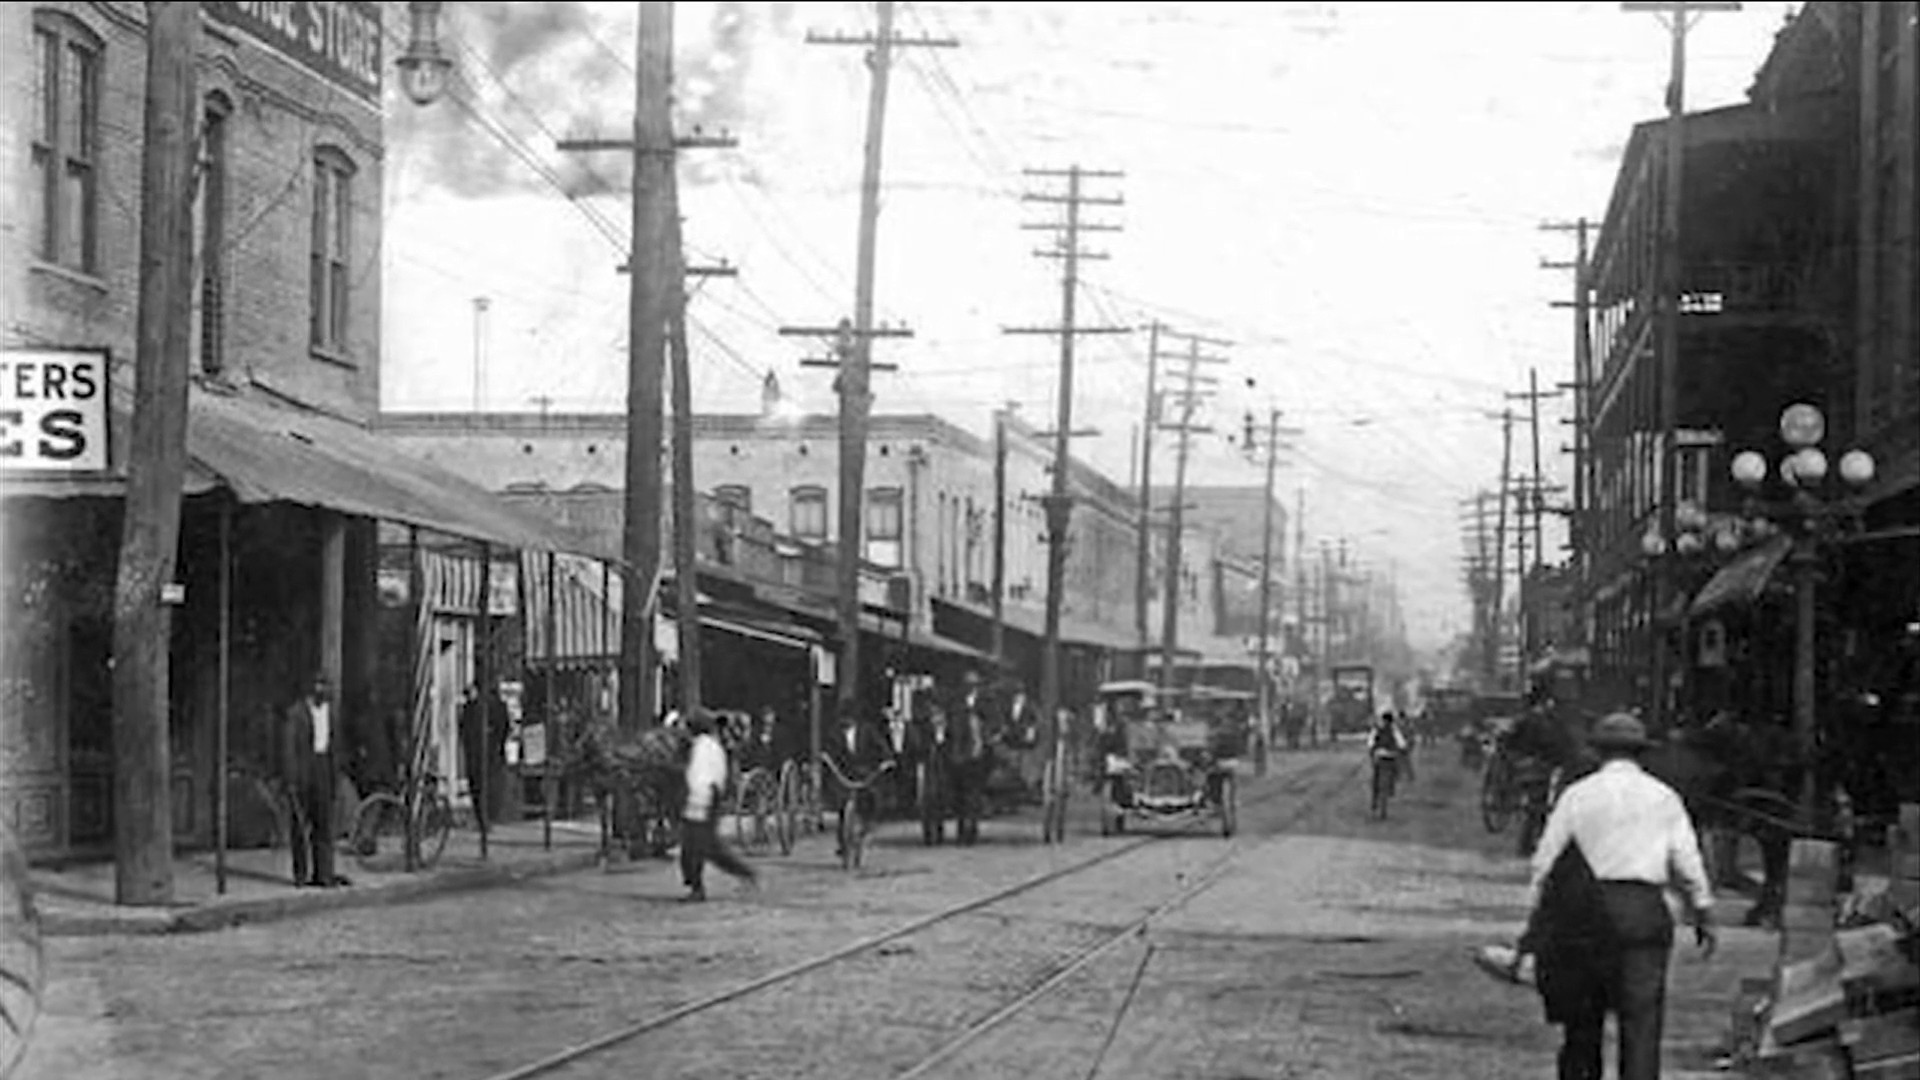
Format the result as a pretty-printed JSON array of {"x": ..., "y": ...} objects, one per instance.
[
  {"x": 312, "y": 828},
  {"x": 1628, "y": 979},
  {"x": 699, "y": 845}
]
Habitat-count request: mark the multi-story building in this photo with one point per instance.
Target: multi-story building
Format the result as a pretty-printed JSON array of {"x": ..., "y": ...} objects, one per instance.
[
  {"x": 1798, "y": 284},
  {"x": 928, "y": 521},
  {"x": 284, "y": 482}
]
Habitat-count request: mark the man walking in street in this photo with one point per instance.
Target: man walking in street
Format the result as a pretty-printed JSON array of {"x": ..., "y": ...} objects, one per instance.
[
  {"x": 699, "y": 826},
  {"x": 1634, "y": 835},
  {"x": 307, "y": 737}
]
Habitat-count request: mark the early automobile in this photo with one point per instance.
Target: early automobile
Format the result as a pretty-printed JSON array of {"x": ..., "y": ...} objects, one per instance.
[{"x": 1161, "y": 764}]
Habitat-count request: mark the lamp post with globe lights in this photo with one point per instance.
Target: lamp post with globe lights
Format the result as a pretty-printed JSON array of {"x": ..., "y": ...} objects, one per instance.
[{"x": 1812, "y": 513}]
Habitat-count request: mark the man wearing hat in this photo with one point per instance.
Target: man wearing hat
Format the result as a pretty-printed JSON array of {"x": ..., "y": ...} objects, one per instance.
[{"x": 1635, "y": 836}]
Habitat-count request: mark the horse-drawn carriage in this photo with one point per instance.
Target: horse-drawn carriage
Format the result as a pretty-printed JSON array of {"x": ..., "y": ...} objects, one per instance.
[
  {"x": 977, "y": 756},
  {"x": 1163, "y": 765}
]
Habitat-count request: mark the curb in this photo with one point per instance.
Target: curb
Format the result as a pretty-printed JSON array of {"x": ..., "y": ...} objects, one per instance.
[{"x": 220, "y": 915}]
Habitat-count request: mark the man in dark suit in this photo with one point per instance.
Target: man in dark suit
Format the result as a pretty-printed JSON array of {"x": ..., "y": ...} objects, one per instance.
[
  {"x": 308, "y": 737},
  {"x": 857, "y": 750}
]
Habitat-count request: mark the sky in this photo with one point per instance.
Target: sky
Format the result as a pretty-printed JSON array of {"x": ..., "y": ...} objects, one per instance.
[{"x": 1351, "y": 195}]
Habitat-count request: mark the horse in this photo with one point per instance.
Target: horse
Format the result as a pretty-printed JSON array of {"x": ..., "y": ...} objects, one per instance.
[{"x": 636, "y": 782}]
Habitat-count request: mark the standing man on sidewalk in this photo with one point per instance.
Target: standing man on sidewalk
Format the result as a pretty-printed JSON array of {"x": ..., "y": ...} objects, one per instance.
[
  {"x": 699, "y": 825},
  {"x": 307, "y": 738},
  {"x": 1639, "y": 843}
]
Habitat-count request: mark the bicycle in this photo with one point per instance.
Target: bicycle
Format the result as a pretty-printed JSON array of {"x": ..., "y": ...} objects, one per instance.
[
  {"x": 853, "y": 827},
  {"x": 1386, "y": 773},
  {"x": 417, "y": 820}
]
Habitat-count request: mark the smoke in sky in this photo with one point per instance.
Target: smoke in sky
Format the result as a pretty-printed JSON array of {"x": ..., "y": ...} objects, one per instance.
[{"x": 527, "y": 75}]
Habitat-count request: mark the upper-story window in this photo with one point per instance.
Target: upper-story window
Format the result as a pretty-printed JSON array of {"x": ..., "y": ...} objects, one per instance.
[
  {"x": 808, "y": 506},
  {"x": 66, "y": 140},
  {"x": 210, "y": 239},
  {"x": 330, "y": 290},
  {"x": 885, "y": 527},
  {"x": 738, "y": 496}
]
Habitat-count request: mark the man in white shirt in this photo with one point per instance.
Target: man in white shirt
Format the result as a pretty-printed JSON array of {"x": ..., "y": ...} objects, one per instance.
[
  {"x": 309, "y": 736},
  {"x": 1634, "y": 834},
  {"x": 700, "y": 844}
]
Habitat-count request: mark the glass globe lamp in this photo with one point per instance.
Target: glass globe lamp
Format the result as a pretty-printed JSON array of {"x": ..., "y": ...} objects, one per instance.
[{"x": 1857, "y": 468}]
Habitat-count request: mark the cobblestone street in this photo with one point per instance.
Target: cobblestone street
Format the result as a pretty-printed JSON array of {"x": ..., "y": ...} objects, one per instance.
[{"x": 1331, "y": 946}]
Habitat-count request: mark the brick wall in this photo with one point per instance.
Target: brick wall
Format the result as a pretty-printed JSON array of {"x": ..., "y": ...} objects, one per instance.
[{"x": 281, "y": 114}]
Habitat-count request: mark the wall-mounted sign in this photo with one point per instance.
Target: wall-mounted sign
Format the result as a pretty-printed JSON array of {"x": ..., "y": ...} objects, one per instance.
[
  {"x": 339, "y": 41},
  {"x": 53, "y": 410}
]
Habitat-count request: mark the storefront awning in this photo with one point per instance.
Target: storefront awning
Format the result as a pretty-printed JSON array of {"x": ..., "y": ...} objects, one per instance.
[
  {"x": 1744, "y": 579},
  {"x": 265, "y": 452}
]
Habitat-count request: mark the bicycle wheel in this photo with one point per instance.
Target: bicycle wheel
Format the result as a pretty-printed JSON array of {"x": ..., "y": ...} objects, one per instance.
[
  {"x": 1496, "y": 794},
  {"x": 433, "y": 824},
  {"x": 378, "y": 838}
]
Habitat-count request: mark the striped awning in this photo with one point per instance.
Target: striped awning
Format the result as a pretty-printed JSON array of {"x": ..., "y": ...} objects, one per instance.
[{"x": 572, "y": 606}]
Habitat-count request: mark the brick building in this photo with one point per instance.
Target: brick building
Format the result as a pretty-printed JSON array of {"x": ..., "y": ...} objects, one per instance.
[
  {"x": 285, "y": 365},
  {"x": 1799, "y": 283}
]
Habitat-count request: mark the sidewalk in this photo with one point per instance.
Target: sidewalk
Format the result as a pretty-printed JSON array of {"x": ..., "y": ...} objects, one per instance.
[{"x": 77, "y": 900}]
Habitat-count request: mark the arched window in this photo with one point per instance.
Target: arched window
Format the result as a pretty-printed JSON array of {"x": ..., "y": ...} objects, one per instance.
[
  {"x": 738, "y": 496},
  {"x": 210, "y": 237},
  {"x": 66, "y": 140},
  {"x": 329, "y": 287}
]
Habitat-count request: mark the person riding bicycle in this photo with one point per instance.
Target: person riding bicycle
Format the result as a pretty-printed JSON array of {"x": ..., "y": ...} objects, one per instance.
[
  {"x": 857, "y": 751},
  {"x": 1388, "y": 744}
]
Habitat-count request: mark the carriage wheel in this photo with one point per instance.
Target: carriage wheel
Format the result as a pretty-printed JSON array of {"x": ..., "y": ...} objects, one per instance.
[
  {"x": 1229, "y": 806},
  {"x": 1496, "y": 794},
  {"x": 785, "y": 796}
]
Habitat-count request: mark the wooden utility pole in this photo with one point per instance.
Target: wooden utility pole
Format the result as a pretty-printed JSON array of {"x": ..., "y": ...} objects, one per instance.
[
  {"x": 686, "y": 497},
  {"x": 1000, "y": 533},
  {"x": 156, "y": 465},
  {"x": 1500, "y": 541},
  {"x": 853, "y": 352},
  {"x": 1667, "y": 310},
  {"x": 1480, "y": 569},
  {"x": 656, "y": 297},
  {"x": 1265, "y": 685},
  {"x": 1582, "y": 385},
  {"x": 1191, "y": 382},
  {"x": 1143, "y": 560},
  {"x": 1058, "y": 503}
]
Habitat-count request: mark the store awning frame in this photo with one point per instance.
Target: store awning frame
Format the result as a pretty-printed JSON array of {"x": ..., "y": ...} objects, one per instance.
[
  {"x": 265, "y": 450},
  {"x": 1743, "y": 580}
]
